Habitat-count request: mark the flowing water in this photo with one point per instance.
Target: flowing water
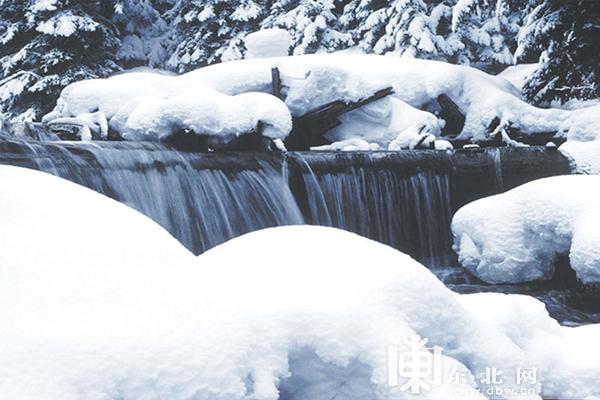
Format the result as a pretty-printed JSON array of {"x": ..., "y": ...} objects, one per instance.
[
  {"x": 404, "y": 199},
  {"x": 202, "y": 200}
]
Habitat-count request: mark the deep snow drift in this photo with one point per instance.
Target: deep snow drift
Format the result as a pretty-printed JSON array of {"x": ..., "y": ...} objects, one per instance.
[
  {"x": 514, "y": 236},
  {"x": 98, "y": 302},
  {"x": 492, "y": 104}
]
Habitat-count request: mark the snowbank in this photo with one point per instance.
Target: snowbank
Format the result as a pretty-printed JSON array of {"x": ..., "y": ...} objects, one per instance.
[
  {"x": 562, "y": 356},
  {"x": 310, "y": 81},
  {"x": 268, "y": 43},
  {"x": 584, "y": 156},
  {"x": 514, "y": 236},
  {"x": 208, "y": 112},
  {"x": 518, "y": 74},
  {"x": 108, "y": 305}
]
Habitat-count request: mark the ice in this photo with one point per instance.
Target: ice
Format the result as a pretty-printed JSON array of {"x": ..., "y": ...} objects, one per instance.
[
  {"x": 515, "y": 236},
  {"x": 268, "y": 43},
  {"x": 310, "y": 81}
]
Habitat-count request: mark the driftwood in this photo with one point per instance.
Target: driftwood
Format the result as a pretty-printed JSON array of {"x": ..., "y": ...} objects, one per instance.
[{"x": 308, "y": 129}]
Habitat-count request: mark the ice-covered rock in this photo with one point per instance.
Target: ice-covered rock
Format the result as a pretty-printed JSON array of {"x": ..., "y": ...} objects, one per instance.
[
  {"x": 514, "y": 236},
  {"x": 268, "y": 43}
]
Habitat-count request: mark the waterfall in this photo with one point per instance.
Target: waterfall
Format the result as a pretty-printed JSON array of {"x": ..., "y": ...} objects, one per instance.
[
  {"x": 410, "y": 211},
  {"x": 403, "y": 199},
  {"x": 497, "y": 157},
  {"x": 201, "y": 199}
]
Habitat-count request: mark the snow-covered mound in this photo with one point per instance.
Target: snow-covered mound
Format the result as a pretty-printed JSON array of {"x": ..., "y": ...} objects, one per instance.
[
  {"x": 209, "y": 112},
  {"x": 514, "y": 236},
  {"x": 390, "y": 123},
  {"x": 518, "y": 74},
  {"x": 268, "y": 43},
  {"x": 584, "y": 156},
  {"x": 491, "y": 104},
  {"x": 98, "y": 302}
]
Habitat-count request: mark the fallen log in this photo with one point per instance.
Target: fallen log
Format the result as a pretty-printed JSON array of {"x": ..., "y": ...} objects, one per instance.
[{"x": 309, "y": 129}]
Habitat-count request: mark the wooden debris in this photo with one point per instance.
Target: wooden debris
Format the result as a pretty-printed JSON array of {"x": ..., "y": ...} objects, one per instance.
[{"x": 308, "y": 129}]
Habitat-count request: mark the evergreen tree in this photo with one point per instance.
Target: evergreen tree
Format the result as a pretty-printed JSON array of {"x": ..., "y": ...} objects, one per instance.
[
  {"x": 565, "y": 35},
  {"x": 48, "y": 44},
  {"x": 210, "y": 31},
  {"x": 407, "y": 27},
  {"x": 488, "y": 29},
  {"x": 312, "y": 24},
  {"x": 143, "y": 30}
]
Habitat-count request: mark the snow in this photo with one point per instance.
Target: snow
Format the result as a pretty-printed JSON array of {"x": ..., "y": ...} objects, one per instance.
[
  {"x": 354, "y": 144},
  {"x": 389, "y": 122},
  {"x": 518, "y": 74},
  {"x": 110, "y": 306},
  {"x": 311, "y": 81},
  {"x": 584, "y": 156},
  {"x": 514, "y": 236},
  {"x": 210, "y": 113},
  {"x": 152, "y": 105},
  {"x": 268, "y": 43},
  {"x": 66, "y": 25}
]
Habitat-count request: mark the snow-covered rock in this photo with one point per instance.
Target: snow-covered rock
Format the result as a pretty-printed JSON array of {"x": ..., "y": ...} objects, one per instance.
[
  {"x": 355, "y": 144},
  {"x": 268, "y": 43},
  {"x": 208, "y": 112},
  {"x": 514, "y": 236},
  {"x": 108, "y": 305},
  {"x": 584, "y": 156},
  {"x": 560, "y": 355},
  {"x": 310, "y": 81}
]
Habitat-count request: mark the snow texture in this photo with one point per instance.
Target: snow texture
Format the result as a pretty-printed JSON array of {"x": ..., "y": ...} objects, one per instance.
[
  {"x": 111, "y": 306},
  {"x": 268, "y": 43},
  {"x": 314, "y": 80},
  {"x": 518, "y": 74},
  {"x": 584, "y": 156},
  {"x": 207, "y": 112},
  {"x": 515, "y": 236}
]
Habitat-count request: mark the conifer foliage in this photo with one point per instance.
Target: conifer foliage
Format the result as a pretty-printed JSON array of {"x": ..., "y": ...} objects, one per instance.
[
  {"x": 567, "y": 35},
  {"x": 48, "y": 44}
]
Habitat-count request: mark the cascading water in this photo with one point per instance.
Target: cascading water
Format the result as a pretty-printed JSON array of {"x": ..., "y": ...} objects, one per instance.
[
  {"x": 410, "y": 212},
  {"x": 202, "y": 199},
  {"x": 404, "y": 199}
]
